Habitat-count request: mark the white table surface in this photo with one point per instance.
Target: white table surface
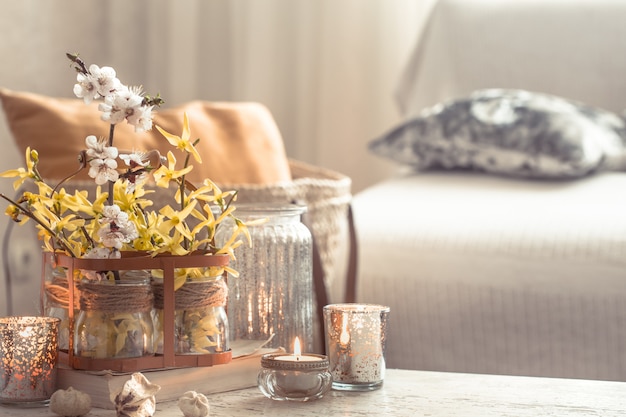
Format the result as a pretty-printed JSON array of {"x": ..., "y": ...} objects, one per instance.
[{"x": 419, "y": 393}]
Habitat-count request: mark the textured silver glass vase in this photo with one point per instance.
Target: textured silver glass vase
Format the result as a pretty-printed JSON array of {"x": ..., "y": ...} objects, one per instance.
[{"x": 273, "y": 294}]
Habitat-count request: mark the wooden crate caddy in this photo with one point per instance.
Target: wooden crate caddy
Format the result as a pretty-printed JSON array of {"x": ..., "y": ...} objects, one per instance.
[{"x": 139, "y": 261}]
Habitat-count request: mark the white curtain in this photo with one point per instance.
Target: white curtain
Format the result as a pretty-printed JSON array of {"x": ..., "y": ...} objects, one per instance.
[{"x": 325, "y": 68}]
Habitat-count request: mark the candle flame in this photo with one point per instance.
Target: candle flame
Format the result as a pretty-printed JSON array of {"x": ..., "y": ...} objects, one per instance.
[
  {"x": 297, "y": 350},
  {"x": 344, "y": 337}
]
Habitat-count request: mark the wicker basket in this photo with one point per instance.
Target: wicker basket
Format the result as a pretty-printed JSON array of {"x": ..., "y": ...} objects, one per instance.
[{"x": 326, "y": 194}]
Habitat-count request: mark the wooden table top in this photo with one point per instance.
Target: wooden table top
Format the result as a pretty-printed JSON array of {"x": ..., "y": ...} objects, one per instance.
[{"x": 419, "y": 393}]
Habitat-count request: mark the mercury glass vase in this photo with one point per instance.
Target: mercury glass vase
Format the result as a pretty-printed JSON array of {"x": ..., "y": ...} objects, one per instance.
[
  {"x": 28, "y": 360},
  {"x": 273, "y": 295}
]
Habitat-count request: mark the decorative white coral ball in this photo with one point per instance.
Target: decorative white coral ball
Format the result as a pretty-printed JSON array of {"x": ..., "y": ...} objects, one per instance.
[
  {"x": 193, "y": 404},
  {"x": 70, "y": 403}
]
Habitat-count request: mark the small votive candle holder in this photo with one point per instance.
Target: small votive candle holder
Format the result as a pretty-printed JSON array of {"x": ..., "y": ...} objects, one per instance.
[
  {"x": 294, "y": 377},
  {"x": 355, "y": 345},
  {"x": 28, "y": 359}
]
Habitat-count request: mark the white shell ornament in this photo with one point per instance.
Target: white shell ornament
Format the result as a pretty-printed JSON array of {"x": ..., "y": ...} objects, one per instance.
[
  {"x": 136, "y": 398},
  {"x": 193, "y": 404},
  {"x": 70, "y": 403}
]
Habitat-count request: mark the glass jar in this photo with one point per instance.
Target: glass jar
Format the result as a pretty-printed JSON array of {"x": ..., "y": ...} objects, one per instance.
[
  {"x": 115, "y": 318},
  {"x": 56, "y": 302},
  {"x": 200, "y": 320},
  {"x": 273, "y": 294}
]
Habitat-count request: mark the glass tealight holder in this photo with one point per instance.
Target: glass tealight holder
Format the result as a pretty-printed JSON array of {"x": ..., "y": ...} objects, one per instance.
[
  {"x": 355, "y": 344},
  {"x": 294, "y": 378}
]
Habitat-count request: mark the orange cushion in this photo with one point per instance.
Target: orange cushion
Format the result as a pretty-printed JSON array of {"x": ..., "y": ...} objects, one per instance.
[{"x": 239, "y": 142}]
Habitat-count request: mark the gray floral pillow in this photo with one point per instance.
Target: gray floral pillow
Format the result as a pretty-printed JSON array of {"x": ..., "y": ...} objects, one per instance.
[{"x": 512, "y": 132}]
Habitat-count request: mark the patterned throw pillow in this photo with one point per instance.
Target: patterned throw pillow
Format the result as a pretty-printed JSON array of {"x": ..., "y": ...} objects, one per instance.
[{"x": 511, "y": 132}]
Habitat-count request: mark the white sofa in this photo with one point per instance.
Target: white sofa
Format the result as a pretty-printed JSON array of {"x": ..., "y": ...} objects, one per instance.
[{"x": 490, "y": 274}]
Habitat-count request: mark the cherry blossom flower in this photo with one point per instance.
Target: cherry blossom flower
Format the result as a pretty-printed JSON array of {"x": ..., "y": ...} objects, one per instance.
[
  {"x": 99, "y": 253},
  {"x": 102, "y": 253},
  {"x": 141, "y": 118},
  {"x": 104, "y": 79},
  {"x": 97, "y": 148},
  {"x": 113, "y": 214},
  {"x": 135, "y": 159},
  {"x": 112, "y": 238},
  {"x": 103, "y": 170},
  {"x": 97, "y": 82},
  {"x": 102, "y": 163},
  {"x": 122, "y": 104},
  {"x": 137, "y": 173},
  {"x": 116, "y": 228},
  {"x": 85, "y": 88}
]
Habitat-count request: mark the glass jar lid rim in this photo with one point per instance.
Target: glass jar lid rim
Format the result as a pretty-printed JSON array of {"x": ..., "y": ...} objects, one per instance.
[
  {"x": 273, "y": 208},
  {"x": 357, "y": 308}
]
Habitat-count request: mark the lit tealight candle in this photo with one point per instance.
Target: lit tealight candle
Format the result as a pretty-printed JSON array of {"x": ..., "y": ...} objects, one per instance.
[
  {"x": 297, "y": 355},
  {"x": 299, "y": 377}
]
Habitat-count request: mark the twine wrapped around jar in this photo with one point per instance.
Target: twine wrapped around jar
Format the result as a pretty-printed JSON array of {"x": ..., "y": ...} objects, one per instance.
[
  {"x": 115, "y": 298},
  {"x": 194, "y": 294},
  {"x": 57, "y": 291}
]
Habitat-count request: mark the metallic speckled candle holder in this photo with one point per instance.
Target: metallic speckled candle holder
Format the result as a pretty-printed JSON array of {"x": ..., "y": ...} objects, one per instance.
[
  {"x": 355, "y": 344},
  {"x": 28, "y": 358}
]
